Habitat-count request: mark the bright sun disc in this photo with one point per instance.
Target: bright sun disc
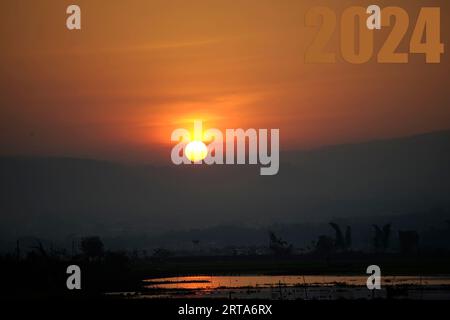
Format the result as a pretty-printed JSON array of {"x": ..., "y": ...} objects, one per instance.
[{"x": 196, "y": 151}]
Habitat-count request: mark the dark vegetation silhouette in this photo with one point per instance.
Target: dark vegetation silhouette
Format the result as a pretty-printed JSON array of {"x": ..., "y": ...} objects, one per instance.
[
  {"x": 92, "y": 247},
  {"x": 278, "y": 246},
  {"x": 382, "y": 237},
  {"x": 341, "y": 242},
  {"x": 36, "y": 269}
]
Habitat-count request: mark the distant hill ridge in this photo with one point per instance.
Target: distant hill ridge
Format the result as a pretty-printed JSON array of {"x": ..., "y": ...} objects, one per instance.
[{"x": 57, "y": 196}]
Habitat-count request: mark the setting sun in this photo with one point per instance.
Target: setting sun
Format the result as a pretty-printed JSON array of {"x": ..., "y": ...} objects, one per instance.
[{"x": 196, "y": 151}]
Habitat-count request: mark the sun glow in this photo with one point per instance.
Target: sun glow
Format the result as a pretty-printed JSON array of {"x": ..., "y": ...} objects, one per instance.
[{"x": 196, "y": 151}]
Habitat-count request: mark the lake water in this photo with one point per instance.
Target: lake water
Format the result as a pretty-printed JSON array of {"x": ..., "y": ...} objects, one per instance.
[{"x": 297, "y": 287}]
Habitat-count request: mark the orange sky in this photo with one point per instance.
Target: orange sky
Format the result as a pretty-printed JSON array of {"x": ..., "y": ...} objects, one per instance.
[{"x": 139, "y": 69}]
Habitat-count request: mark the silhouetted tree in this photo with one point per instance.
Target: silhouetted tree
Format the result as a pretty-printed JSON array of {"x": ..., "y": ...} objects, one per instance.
[
  {"x": 339, "y": 238},
  {"x": 342, "y": 242},
  {"x": 382, "y": 237},
  {"x": 40, "y": 248},
  {"x": 92, "y": 247},
  {"x": 278, "y": 245},
  {"x": 409, "y": 241}
]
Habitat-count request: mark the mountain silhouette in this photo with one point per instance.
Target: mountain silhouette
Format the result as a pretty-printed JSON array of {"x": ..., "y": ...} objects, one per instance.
[{"x": 54, "y": 197}]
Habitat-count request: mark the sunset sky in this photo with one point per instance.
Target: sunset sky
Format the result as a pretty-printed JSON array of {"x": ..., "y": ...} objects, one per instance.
[{"x": 139, "y": 69}]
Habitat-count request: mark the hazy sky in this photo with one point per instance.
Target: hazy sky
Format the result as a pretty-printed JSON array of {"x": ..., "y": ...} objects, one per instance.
[{"x": 139, "y": 69}]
